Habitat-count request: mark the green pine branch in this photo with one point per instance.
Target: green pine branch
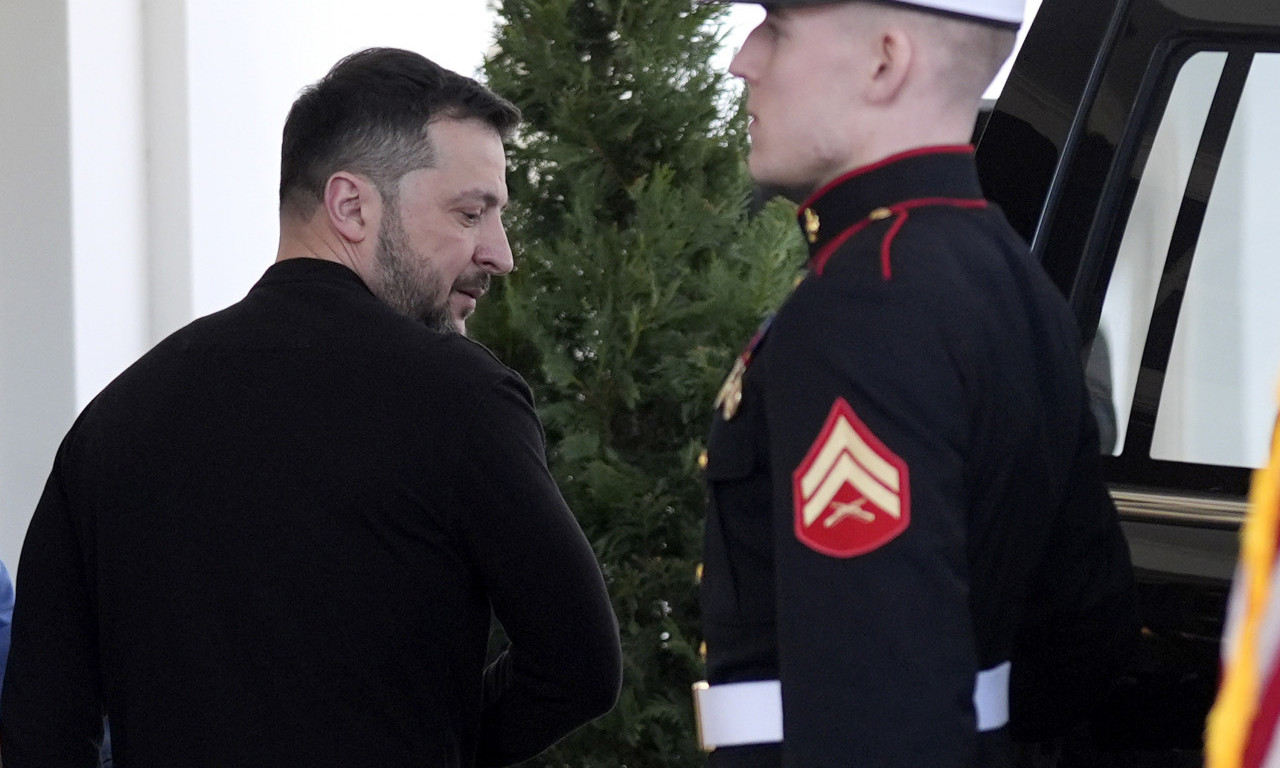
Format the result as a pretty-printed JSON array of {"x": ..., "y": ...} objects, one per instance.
[{"x": 641, "y": 273}]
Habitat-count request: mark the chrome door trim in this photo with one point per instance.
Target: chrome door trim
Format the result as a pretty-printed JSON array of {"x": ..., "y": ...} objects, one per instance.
[{"x": 1179, "y": 509}]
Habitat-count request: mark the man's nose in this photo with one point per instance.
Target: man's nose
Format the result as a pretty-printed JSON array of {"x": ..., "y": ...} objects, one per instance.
[
  {"x": 494, "y": 252},
  {"x": 743, "y": 61}
]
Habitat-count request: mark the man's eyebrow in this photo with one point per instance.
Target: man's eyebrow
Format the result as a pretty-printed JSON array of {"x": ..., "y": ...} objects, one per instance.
[{"x": 484, "y": 195}]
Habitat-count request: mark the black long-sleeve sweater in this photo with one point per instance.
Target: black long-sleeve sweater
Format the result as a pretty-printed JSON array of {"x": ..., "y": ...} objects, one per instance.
[{"x": 276, "y": 540}]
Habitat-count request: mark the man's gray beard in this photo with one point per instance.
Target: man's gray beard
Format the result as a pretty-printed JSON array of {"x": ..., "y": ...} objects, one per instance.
[{"x": 408, "y": 292}]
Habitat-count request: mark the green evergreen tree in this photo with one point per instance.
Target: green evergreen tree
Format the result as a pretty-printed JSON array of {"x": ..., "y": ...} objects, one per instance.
[{"x": 640, "y": 274}]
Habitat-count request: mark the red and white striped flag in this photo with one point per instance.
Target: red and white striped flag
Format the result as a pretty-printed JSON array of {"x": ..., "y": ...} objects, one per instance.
[{"x": 1242, "y": 727}]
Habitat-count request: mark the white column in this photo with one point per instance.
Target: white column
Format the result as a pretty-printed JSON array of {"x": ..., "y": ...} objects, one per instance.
[
  {"x": 37, "y": 374},
  {"x": 108, "y": 189},
  {"x": 167, "y": 115}
]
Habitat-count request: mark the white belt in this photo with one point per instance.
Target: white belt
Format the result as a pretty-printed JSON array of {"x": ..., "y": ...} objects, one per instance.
[
  {"x": 738, "y": 713},
  {"x": 735, "y": 714},
  {"x": 991, "y": 696}
]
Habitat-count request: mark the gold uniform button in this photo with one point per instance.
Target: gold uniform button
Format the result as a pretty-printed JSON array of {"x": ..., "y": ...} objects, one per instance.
[
  {"x": 697, "y": 574},
  {"x": 702, "y": 460},
  {"x": 879, "y": 213},
  {"x": 702, "y": 651}
]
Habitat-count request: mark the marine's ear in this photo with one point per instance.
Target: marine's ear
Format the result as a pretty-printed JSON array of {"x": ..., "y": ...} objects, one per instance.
[{"x": 894, "y": 55}]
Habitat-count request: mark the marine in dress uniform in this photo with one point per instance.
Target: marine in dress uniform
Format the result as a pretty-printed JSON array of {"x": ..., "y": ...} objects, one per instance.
[{"x": 908, "y": 531}]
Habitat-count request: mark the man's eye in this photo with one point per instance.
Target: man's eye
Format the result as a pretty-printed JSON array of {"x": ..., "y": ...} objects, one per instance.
[{"x": 471, "y": 217}]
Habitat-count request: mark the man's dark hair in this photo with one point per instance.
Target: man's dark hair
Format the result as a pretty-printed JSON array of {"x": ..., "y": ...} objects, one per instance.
[{"x": 369, "y": 115}]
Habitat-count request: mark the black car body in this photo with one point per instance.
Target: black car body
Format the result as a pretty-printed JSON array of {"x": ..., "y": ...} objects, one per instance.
[{"x": 1133, "y": 147}]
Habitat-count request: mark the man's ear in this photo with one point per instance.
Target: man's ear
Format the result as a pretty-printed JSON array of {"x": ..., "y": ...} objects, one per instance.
[
  {"x": 353, "y": 205},
  {"x": 894, "y": 57}
]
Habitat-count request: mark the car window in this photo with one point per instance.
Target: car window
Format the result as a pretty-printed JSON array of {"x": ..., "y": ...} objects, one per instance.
[{"x": 1190, "y": 326}]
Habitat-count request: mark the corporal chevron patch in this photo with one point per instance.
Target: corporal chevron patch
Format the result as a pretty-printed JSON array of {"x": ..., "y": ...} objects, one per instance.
[{"x": 851, "y": 493}]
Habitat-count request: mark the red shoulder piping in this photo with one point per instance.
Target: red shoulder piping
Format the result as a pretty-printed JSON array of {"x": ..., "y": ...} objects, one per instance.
[{"x": 901, "y": 211}]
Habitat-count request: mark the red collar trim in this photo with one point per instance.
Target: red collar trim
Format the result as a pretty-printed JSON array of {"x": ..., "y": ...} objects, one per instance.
[{"x": 941, "y": 149}]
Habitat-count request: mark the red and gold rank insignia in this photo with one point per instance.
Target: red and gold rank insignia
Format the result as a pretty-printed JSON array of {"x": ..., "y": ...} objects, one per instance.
[{"x": 851, "y": 494}]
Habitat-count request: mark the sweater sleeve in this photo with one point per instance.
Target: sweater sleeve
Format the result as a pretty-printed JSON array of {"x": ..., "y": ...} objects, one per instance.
[{"x": 563, "y": 665}]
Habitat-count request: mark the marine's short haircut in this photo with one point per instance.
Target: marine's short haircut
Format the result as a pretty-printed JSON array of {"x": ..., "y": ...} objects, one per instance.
[
  {"x": 369, "y": 115},
  {"x": 976, "y": 52}
]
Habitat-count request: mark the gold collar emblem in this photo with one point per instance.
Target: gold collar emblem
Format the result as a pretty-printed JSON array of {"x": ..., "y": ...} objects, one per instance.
[{"x": 811, "y": 225}]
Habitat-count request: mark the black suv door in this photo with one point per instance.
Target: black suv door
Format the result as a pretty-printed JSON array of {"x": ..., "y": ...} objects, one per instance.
[{"x": 1135, "y": 147}]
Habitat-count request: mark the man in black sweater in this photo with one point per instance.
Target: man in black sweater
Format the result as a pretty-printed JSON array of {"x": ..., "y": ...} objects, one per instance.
[{"x": 278, "y": 538}]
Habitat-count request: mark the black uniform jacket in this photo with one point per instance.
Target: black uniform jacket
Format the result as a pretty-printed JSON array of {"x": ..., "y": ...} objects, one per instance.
[
  {"x": 276, "y": 539},
  {"x": 909, "y": 490}
]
